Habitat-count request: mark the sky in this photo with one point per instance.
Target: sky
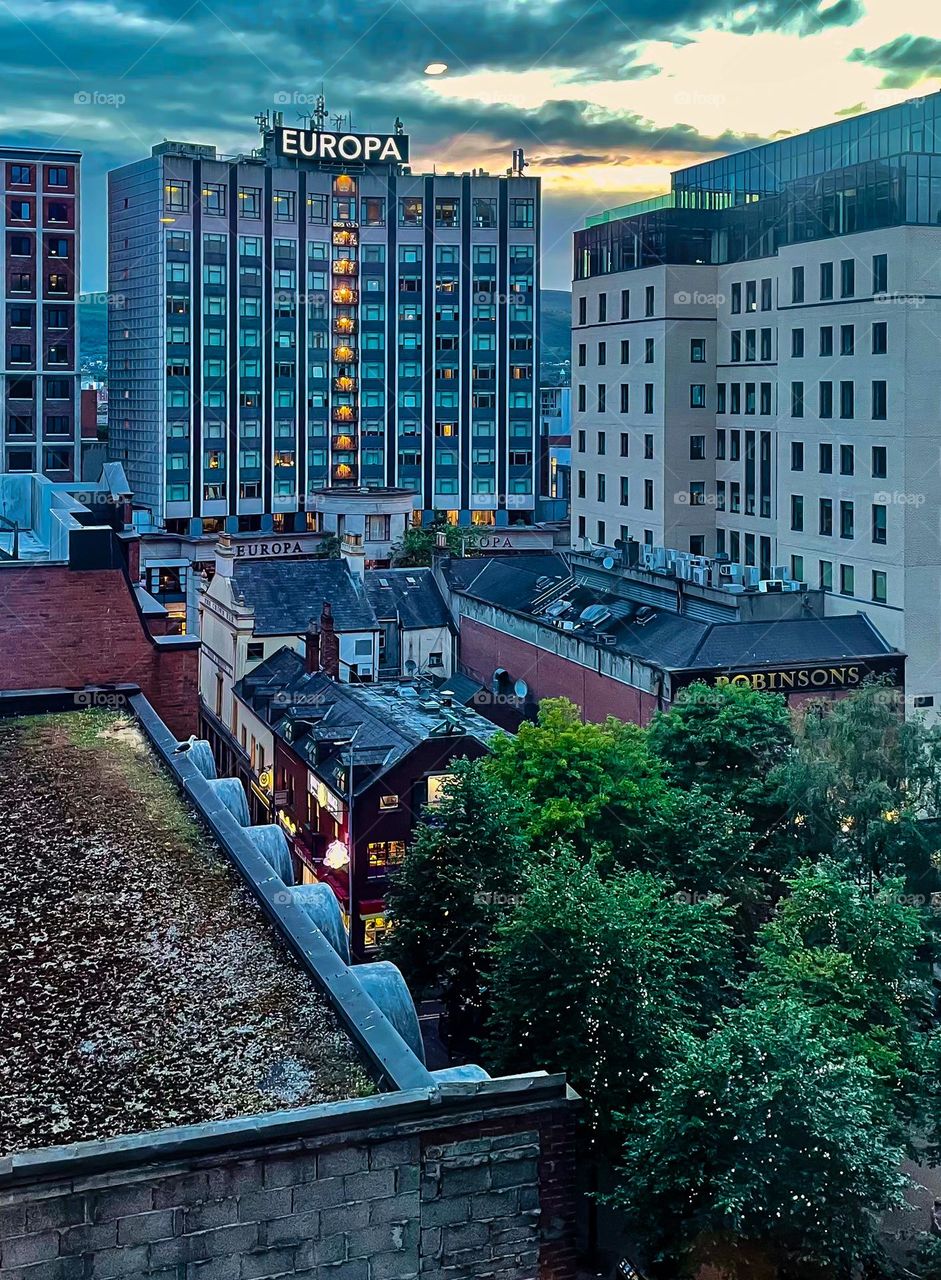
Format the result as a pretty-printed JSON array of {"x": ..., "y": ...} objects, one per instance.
[{"x": 605, "y": 96}]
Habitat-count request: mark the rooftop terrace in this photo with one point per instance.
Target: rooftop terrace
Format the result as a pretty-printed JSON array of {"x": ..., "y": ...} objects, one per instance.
[{"x": 148, "y": 989}]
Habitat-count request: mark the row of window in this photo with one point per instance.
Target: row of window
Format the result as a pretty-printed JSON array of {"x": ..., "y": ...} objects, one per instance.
[
  {"x": 57, "y": 211},
  {"x": 825, "y": 510},
  {"x": 21, "y": 175},
  {"x": 372, "y": 209},
  {"x": 878, "y": 279},
  {"x": 216, "y": 243},
  {"x": 625, "y": 305},
  {"x": 56, "y": 424},
  {"x": 52, "y": 460}
]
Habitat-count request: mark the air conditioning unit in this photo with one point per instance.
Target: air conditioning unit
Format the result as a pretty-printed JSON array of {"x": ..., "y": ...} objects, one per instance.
[
  {"x": 699, "y": 574},
  {"x": 731, "y": 573},
  {"x": 681, "y": 566},
  {"x": 605, "y": 637},
  {"x": 751, "y": 577},
  {"x": 780, "y": 571},
  {"x": 771, "y": 586},
  {"x": 648, "y": 559}
]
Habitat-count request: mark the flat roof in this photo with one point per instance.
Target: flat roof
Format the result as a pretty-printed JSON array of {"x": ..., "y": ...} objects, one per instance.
[{"x": 142, "y": 985}]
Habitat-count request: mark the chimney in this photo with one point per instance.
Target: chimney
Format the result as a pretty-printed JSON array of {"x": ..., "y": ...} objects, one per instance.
[
  {"x": 353, "y": 553},
  {"x": 225, "y": 556},
  {"x": 312, "y": 647},
  {"x": 329, "y": 644}
]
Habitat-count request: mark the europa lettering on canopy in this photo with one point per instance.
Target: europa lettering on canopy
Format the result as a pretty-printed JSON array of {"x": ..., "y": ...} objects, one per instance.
[{"x": 315, "y": 144}]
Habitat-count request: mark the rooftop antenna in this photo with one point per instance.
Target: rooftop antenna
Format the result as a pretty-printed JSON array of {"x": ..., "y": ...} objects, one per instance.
[
  {"x": 263, "y": 120},
  {"x": 519, "y": 162},
  {"x": 398, "y": 128},
  {"x": 320, "y": 112},
  {"x": 338, "y": 122}
]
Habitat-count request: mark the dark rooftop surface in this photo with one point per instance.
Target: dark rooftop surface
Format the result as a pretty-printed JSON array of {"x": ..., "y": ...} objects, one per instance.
[
  {"x": 287, "y": 594},
  {"x": 664, "y": 639},
  {"x": 140, "y": 984},
  {"x": 411, "y": 595},
  {"x": 319, "y": 716}
]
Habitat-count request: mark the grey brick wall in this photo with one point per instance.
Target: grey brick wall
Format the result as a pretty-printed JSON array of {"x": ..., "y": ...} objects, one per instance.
[{"x": 396, "y": 1203}]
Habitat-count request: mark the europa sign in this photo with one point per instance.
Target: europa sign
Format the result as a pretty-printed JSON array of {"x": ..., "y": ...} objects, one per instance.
[{"x": 314, "y": 144}]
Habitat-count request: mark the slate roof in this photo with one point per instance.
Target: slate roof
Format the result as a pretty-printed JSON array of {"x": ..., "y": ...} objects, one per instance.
[
  {"x": 411, "y": 595},
  {"x": 287, "y": 594},
  {"x": 670, "y": 641},
  {"x": 313, "y": 712}
]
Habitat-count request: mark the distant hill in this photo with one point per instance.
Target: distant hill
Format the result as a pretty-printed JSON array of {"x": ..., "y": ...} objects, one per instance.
[
  {"x": 556, "y": 328},
  {"x": 93, "y": 330},
  {"x": 556, "y": 323}
]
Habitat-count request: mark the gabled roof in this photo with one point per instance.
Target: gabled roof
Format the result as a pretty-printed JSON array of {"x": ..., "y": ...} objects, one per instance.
[
  {"x": 511, "y": 581},
  {"x": 411, "y": 595},
  {"x": 323, "y": 719},
  {"x": 287, "y": 594}
]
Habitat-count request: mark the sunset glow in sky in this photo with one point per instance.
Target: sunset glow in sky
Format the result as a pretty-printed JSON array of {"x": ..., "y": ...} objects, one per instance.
[{"x": 605, "y": 97}]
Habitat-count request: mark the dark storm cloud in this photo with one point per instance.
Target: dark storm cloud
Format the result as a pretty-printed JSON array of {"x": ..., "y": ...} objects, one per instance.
[
  {"x": 905, "y": 60},
  {"x": 571, "y": 161}
]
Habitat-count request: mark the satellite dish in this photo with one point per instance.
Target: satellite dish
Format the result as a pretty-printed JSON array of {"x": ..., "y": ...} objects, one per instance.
[
  {"x": 608, "y": 562},
  {"x": 521, "y": 688}
]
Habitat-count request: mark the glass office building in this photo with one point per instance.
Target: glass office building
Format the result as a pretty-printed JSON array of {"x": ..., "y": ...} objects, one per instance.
[
  {"x": 882, "y": 169},
  {"x": 290, "y": 320}
]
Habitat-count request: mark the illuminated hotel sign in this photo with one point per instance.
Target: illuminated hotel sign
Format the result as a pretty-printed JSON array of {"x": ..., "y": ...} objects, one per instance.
[
  {"x": 314, "y": 144},
  {"x": 826, "y": 678}
]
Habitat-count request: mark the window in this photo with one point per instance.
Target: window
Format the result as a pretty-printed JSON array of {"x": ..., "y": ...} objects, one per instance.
[
  {"x": 601, "y": 488},
  {"x": 797, "y": 342},
  {"x": 602, "y": 353},
  {"x": 847, "y": 460},
  {"x": 249, "y": 202},
  {"x": 847, "y": 278},
  {"x": 625, "y": 304},
  {"x": 256, "y": 650},
  {"x": 697, "y": 395},
  {"x": 212, "y": 198},
  {"x": 20, "y": 210},
  {"x": 697, "y": 350},
  {"x": 879, "y": 524},
  {"x": 826, "y": 280},
  {"x": 847, "y": 580},
  {"x": 736, "y": 303},
  {"x": 825, "y": 466},
  {"x": 625, "y": 398},
  {"x": 797, "y": 455},
  {"x": 697, "y": 448},
  {"x": 879, "y": 401},
  {"x": 879, "y": 338},
  {"x": 879, "y": 595},
  {"x": 21, "y": 175},
  {"x": 21, "y": 246},
  {"x": 751, "y": 295},
  {"x": 797, "y": 512},
  {"x": 485, "y": 212},
  {"x": 316, "y": 209},
  {"x": 879, "y": 461},
  {"x": 797, "y": 284},
  {"x": 373, "y": 211},
  {"x": 797, "y": 399},
  {"x": 847, "y": 339},
  {"x": 847, "y": 520},
  {"x": 826, "y": 340},
  {"x": 797, "y": 568},
  {"x": 766, "y": 295},
  {"x": 601, "y": 443},
  {"x": 825, "y": 400},
  {"x": 57, "y": 177},
  {"x": 825, "y": 517},
  {"x": 625, "y": 444},
  {"x": 602, "y": 307},
  {"x": 846, "y": 399},
  {"x": 648, "y": 447},
  {"x": 583, "y": 311},
  {"x": 648, "y": 351},
  {"x": 649, "y": 300},
  {"x": 648, "y": 495},
  {"x": 880, "y": 275},
  {"x": 447, "y": 211},
  {"x": 522, "y": 213},
  {"x": 601, "y": 397},
  {"x": 825, "y": 574},
  {"x": 283, "y": 205},
  {"x": 176, "y": 196},
  {"x": 625, "y": 491}
]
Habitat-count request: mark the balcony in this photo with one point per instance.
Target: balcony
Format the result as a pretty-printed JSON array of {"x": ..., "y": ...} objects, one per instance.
[
  {"x": 346, "y": 237},
  {"x": 344, "y": 413},
  {"x": 344, "y": 354},
  {"x": 344, "y": 473},
  {"x": 345, "y": 267},
  {"x": 345, "y": 296},
  {"x": 344, "y": 443},
  {"x": 344, "y": 324},
  {"x": 345, "y": 384}
]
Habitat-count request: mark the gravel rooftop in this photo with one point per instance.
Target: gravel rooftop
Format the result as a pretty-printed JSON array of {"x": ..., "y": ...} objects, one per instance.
[{"x": 140, "y": 985}]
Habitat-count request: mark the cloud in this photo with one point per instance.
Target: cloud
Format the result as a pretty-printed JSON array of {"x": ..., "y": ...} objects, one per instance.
[
  {"x": 571, "y": 161},
  {"x": 906, "y": 60}
]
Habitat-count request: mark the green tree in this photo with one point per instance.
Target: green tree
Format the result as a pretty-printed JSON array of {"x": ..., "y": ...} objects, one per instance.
[
  {"x": 456, "y": 882},
  {"x": 850, "y": 957},
  {"x": 586, "y": 784},
  {"x": 416, "y": 547},
  {"x": 594, "y": 973},
  {"x": 768, "y": 1153},
  {"x": 861, "y": 783},
  {"x": 726, "y": 741}
]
